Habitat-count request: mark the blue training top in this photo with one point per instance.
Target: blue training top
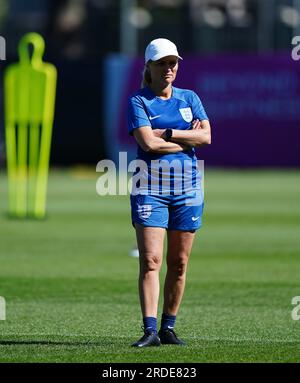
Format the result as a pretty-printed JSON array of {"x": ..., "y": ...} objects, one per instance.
[{"x": 177, "y": 112}]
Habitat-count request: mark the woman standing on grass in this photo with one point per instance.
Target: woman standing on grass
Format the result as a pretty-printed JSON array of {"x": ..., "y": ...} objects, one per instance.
[{"x": 167, "y": 123}]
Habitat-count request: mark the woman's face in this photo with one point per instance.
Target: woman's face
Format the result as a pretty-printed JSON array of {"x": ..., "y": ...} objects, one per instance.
[{"x": 163, "y": 71}]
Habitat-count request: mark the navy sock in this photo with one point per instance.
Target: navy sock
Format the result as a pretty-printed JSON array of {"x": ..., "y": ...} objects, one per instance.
[
  {"x": 167, "y": 321},
  {"x": 150, "y": 324}
]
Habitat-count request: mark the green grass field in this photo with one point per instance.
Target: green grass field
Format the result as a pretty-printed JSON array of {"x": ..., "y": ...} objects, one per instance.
[{"x": 71, "y": 287}]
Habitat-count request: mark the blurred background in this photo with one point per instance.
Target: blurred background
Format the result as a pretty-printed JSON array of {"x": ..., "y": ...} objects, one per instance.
[
  {"x": 237, "y": 56},
  {"x": 68, "y": 279}
]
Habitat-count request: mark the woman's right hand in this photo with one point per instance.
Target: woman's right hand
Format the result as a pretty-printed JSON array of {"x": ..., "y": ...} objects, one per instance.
[{"x": 196, "y": 125}]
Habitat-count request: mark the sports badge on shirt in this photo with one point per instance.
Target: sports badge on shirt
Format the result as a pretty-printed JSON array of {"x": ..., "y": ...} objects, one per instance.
[
  {"x": 144, "y": 211},
  {"x": 186, "y": 114}
]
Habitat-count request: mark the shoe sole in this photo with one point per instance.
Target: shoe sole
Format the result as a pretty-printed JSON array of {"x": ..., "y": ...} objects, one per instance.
[{"x": 149, "y": 345}]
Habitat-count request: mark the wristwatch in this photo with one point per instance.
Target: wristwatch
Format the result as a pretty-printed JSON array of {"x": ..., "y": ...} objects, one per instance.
[{"x": 168, "y": 134}]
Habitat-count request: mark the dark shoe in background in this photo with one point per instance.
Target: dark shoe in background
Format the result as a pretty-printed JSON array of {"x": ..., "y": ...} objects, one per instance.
[{"x": 168, "y": 336}]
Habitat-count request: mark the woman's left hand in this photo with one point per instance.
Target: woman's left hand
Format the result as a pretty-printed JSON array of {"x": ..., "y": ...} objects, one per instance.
[{"x": 158, "y": 132}]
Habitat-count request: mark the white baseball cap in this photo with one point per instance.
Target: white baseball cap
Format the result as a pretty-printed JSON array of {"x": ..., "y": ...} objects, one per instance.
[{"x": 159, "y": 48}]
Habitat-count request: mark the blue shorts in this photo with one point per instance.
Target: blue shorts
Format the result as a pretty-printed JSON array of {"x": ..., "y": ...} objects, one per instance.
[{"x": 170, "y": 212}]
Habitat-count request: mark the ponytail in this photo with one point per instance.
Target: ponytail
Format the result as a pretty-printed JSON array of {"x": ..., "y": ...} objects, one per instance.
[{"x": 146, "y": 81}]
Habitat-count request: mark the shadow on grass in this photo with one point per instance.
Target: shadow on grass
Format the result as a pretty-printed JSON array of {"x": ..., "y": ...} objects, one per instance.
[{"x": 47, "y": 342}]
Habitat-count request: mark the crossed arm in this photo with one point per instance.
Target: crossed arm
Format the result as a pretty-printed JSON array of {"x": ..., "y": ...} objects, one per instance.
[{"x": 153, "y": 140}]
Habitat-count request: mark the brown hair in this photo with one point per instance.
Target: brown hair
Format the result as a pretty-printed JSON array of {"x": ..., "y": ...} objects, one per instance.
[{"x": 146, "y": 76}]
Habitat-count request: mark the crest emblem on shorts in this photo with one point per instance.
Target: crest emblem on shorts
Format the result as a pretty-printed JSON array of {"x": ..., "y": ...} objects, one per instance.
[
  {"x": 144, "y": 211},
  {"x": 186, "y": 114}
]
